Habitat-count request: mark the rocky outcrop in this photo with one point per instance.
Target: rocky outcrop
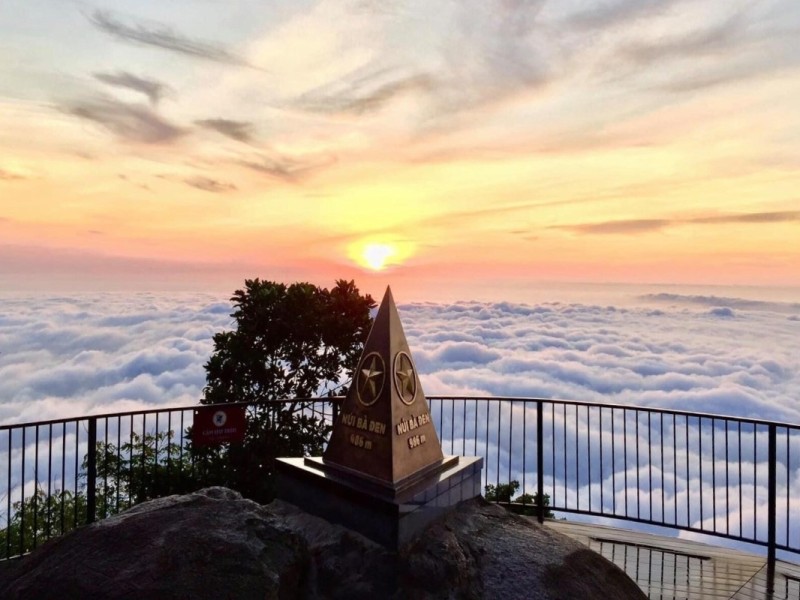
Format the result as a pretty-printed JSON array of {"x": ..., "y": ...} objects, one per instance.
[
  {"x": 210, "y": 544},
  {"x": 215, "y": 544}
]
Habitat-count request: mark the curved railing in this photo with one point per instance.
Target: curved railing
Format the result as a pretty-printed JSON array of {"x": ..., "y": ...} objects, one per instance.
[
  {"x": 736, "y": 478},
  {"x": 711, "y": 474}
]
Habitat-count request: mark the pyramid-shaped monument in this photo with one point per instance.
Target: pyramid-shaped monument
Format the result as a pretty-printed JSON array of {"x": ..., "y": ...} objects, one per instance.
[
  {"x": 383, "y": 473},
  {"x": 384, "y": 431}
]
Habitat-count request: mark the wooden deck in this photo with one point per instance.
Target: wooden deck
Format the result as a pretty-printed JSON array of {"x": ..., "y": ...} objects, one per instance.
[{"x": 672, "y": 568}]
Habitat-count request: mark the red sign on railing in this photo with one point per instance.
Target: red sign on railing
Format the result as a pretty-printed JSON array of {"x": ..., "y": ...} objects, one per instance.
[{"x": 215, "y": 425}]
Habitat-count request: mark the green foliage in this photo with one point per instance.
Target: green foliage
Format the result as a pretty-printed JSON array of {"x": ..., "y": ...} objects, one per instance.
[
  {"x": 143, "y": 468},
  {"x": 531, "y": 501},
  {"x": 39, "y": 518},
  {"x": 248, "y": 467},
  {"x": 503, "y": 492},
  {"x": 290, "y": 341}
]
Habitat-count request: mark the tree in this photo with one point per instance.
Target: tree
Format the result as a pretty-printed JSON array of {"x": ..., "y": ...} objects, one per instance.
[
  {"x": 145, "y": 467},
  {"x": 40, "y": 517},
  {"x": 530, "y": 501},
  {"x": 503, "y": 492},
  {"x": 289, "y": 342},
  {"x": 296, "y": 341}
]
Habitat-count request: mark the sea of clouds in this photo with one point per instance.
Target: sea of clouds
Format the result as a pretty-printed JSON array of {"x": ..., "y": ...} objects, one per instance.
[
  {"x": 64, "y": 356},
  {"x": 67, "y": 356},
  {"x": 677, "y": 352}
]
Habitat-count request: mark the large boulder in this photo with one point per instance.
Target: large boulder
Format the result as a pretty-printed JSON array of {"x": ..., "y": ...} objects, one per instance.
[
  {"x": 214, "y": 544},
  {"x": 479, "y": 550},
  {"x": 210, "y": 544}
]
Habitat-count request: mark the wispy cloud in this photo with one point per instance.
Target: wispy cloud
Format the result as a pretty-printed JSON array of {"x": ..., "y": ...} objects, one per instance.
[
  {"x": 695, "y": 82},
  {"x": 633, "y": 226},
  {"x": 378, "y": 7},
  {"x": 492, "y": 50},
  {"x": 472, "y": 220},
  {"x": 759, "y": 217},
  {"x": 691, "y": 45},
  {"x": 622, "y": 226},
  {"x": 154, "y": 90},
  {"x": 738, "y": 303},
  {"x": 138, "y": 184},
  {"x": 497, "y": 49},
  {"x": 162, "y": 36},
  {"x": 10, "y": 176},
  {"x": 287, "y": 168},
  {"x": 716, "y": 46},
  {"x": 609, "y": 15},
  {"x": 241, "y": 131},
  {"x": 462, "y": 220},
  {"x": 131, "y": 122},
  {"x": 362, "y": 94},
  {"x": 209, "y": 185}
]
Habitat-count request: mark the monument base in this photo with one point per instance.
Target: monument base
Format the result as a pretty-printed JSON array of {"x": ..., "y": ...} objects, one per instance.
[{"x": 388, "y": 517}]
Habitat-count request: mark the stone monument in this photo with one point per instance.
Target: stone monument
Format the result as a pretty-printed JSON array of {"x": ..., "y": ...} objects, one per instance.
[{"x": 383, "y": 473}]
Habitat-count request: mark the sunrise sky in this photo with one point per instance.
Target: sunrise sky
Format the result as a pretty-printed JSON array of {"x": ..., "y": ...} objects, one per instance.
[{"x": 190, "y": 144}]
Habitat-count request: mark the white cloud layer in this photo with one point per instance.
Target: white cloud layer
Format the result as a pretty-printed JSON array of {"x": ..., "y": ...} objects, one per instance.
[
  {"x": 666, "y": 352},
  {"x": 69, "y": 356},
  {"x": 65, "y": 356}
]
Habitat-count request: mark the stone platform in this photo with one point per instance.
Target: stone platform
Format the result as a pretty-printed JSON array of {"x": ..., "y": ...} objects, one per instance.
[{"x": 389, "y": 516}]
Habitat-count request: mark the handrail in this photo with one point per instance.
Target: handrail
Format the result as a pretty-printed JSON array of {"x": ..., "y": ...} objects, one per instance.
[
  {"x": 148, "y": 411},
  {"x": 684, "y": 470},
  {"x": 337, "y": 399},
  {"x": 651, "y": 409}
]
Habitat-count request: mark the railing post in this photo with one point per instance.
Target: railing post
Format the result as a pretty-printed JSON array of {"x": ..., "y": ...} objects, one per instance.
[
  {"x": 539, "y": 462},
  {"x": 91, "y": 475},
  {"x": 772, "y": 507}
]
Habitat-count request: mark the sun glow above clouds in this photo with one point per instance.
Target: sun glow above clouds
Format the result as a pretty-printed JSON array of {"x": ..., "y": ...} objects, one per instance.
[
  {"x": 379, "y": 255},
  {"x": 376, "y": 255}
]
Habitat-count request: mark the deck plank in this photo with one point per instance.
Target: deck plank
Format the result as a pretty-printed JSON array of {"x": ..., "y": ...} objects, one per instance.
[{"x": 668, "y": 568}]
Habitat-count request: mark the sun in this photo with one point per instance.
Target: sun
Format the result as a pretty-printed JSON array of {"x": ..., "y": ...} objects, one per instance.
[
  {"x": 380, "y": 254},
  {"x": 375, "y": 256}
]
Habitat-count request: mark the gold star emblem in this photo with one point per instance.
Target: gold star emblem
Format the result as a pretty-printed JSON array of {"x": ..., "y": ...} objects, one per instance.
[
  {"x": 405, "y": 379},
  {"x": 370, "y": 379}
]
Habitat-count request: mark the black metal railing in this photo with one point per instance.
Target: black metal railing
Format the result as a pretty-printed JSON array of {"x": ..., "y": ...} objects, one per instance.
[
  {"x": 711, "y": 474},
  {"x": 56, "y": 475}
]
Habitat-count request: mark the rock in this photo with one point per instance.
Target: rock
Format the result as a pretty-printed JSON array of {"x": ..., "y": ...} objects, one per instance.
[
  {"x": 490, "y": 553},
  {"x": 214, "y": 544},
  {"x": 210, "y": 544},
  {"x": 478, "y": 551}
]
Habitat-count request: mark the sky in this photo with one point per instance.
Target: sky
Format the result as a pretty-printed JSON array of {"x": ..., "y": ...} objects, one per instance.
[{"x": 463, "y": 145}]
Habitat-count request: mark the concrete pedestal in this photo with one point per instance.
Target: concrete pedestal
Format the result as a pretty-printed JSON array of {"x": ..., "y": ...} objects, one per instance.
[{"x": 388, "y": 516}]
